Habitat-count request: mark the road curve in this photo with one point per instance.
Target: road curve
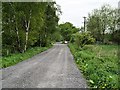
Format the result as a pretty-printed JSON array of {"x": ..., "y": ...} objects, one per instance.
[{"x": 54, "y": 68}]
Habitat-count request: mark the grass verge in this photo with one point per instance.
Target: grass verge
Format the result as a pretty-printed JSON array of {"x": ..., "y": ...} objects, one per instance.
[
  {"x": 99, "y": 64},
  {"x": 16, "y": 58}
]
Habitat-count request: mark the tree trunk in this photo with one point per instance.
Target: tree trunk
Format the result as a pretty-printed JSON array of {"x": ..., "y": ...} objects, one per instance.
[
  {"x": 26, "y": 35},
  {"x": 26, "y": 41},
  {"x": 39, "y": 39},
  {"x": 18, "y": 38},
  {"x": 17, "y": 32},
  {"x": 27, "y": 32}
]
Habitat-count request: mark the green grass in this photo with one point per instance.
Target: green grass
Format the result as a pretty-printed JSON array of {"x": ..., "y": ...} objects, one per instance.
[
  {"x": 16, "y": 58},
  {"x": 99, "y": 64}
]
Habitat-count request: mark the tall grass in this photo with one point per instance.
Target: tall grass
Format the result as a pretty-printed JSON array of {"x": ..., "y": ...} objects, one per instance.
[
  {"x": 16, "y": 58},
  {"x": 99, "y": 64}
]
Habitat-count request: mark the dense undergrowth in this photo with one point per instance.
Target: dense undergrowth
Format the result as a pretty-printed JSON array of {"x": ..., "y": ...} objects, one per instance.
[
  {"x": 16, "y": 58},
  {"x": 99, "y": 64}
]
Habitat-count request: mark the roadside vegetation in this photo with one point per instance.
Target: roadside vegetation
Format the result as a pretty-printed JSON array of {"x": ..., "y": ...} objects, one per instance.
[
  {"x": 95, "y": 47},
  {"x": 99, "y": 64},
  {"x": 18, "y": 57},
  {"x": 27, "y": 29}
]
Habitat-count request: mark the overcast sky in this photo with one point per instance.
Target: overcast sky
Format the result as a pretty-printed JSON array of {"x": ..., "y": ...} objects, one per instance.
[{"x": 74, "y": 10}]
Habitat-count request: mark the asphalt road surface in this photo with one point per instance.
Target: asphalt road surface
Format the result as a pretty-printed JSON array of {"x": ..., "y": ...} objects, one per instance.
[{"x": 54, "y": 68}]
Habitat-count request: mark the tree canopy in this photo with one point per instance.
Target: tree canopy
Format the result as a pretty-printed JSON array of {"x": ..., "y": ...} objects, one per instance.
[
  {"x": 67, "y": 29},
  {"x": 28, "y": 24},
  {"x": 103, "y": 23}
]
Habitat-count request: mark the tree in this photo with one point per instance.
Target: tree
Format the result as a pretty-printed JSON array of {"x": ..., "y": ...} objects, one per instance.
[
  {"x": 51, "y": 21},
  {"x": 28, "y": 24},
  {"x": 67, "y": 29},
  {"x": 102, "y": 22},
  {"x": 94, "y": 26}
]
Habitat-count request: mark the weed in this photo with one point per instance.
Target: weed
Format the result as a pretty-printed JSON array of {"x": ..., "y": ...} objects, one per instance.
[{"x": 99, "y": 64}]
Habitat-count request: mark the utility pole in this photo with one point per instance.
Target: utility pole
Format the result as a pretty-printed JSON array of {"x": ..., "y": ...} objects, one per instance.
[
  {"x": 119, "y": 5},
  {"x": 84, "y": 24}
]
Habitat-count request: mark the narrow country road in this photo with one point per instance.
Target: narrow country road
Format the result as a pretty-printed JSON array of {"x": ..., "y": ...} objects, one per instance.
[{"x": 54, "y": 68}]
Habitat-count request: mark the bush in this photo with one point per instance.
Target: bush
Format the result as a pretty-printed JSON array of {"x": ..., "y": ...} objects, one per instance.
[{"x": 81, "y": 39}]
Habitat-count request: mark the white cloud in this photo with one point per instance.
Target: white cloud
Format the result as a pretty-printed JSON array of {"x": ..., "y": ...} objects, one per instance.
[{"x": 74, "y": 10}]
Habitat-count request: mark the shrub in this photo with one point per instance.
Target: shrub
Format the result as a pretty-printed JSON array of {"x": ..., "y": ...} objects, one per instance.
[{"x": 81, "y": 39}]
